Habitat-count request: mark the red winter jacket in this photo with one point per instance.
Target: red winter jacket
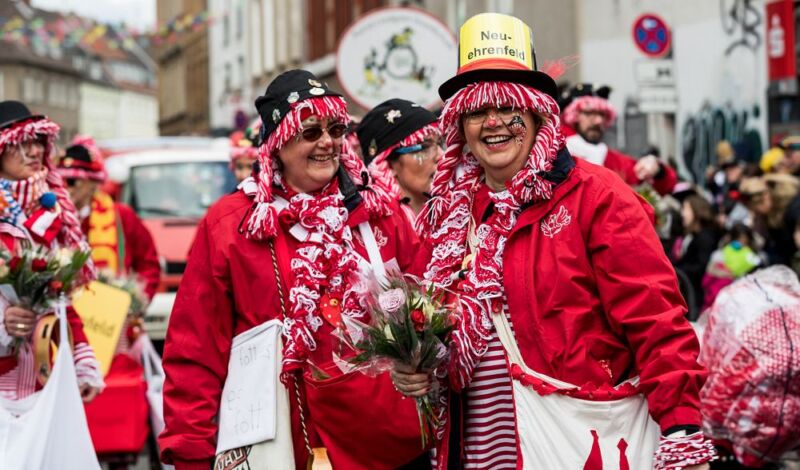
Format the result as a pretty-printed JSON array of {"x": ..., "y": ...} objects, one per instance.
[
  {"x": 623, "y": 165},
  {"x": 229, "y": 287},
  {"x": 140, "y": 249},
  {"x": 593, "y": 298}
]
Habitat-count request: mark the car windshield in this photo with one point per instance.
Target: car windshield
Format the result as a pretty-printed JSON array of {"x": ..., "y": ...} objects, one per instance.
[{"x": 178, "y": 189}]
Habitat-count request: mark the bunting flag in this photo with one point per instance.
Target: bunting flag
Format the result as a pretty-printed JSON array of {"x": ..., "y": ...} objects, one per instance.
[{"x": 73, "y": 31}]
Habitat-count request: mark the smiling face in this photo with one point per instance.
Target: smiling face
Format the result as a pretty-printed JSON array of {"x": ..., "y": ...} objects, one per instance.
[
  {"x": 22, "y": 161},
  {"x": 308, "y": 166},
  {"x": 501, "y": 139}
]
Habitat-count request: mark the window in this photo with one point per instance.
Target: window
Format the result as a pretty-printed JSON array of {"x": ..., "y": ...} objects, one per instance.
[
  {"x": 228, "y": 78},
  {"x": 226, "y": 30},
  {"x": 239, "y": 21}
]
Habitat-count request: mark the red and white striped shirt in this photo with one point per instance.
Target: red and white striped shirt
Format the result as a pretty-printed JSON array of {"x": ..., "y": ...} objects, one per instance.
[{"x": 489, "y": 424}]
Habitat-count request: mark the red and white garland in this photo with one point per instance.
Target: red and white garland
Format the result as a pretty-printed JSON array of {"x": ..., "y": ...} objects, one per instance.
[
  {"x": 583, "y": 103},
  {"x": 262, "y": 222},
  {"x": 685, "y": 451},
  {"x": 379, "y": 167},
  {"x": 445, "y": 219},
  {"x": 326, "y": 260}
]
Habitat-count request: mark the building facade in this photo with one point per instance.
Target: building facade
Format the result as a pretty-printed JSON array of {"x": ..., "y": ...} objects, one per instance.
[{"x": 183, "y": 74}]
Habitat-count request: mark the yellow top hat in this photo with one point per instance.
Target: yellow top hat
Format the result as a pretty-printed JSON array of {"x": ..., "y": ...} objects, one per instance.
[{"x": 495, "y": 47}]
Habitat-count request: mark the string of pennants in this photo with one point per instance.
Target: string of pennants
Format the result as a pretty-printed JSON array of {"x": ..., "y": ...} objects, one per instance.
[{"x": 74, "y": 31}]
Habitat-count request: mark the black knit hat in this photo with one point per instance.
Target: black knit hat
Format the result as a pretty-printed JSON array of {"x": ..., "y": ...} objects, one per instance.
[
  {"x": 582, "y": 89},
  {"x": 288, "y": 88},
  {"x": 78, "y": 152},
  {"x": 12, "y": 112},
  {"x": 389, "y": 123}
]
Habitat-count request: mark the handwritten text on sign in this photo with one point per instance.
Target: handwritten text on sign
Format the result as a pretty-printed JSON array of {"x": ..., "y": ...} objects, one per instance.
[{"x": 248, "y": 407}]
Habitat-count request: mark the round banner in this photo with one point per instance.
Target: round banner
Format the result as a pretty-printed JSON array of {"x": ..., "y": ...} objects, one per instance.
[{"x": 396, "y": 53}]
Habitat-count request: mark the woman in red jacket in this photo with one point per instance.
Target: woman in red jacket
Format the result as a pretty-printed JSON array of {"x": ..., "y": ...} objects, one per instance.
[
  {"x": 289, "y": 246},
  {"x": 566, "y": 297},
  {"x": 27, "y": 180}
]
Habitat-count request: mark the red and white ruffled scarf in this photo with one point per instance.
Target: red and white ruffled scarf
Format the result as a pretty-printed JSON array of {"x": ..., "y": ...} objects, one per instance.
[
  {"x": 445, "y": 219},
  {"x": 324, "y": 264}
]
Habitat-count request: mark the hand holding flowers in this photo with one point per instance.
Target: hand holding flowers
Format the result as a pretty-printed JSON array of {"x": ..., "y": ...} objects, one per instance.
[{"x": 408, "y": 333}]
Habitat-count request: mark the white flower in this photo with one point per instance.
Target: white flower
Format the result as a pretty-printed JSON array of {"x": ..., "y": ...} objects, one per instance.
[
  {"x": 387, "y": 331},
  {"x": 391, "y": 300},
  {"x": 428, "y": 309},
  {"x": 64, "y": 256}
]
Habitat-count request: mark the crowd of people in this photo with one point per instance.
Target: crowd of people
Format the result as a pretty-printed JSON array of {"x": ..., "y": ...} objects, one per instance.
[{"x": 573, "y": 270}]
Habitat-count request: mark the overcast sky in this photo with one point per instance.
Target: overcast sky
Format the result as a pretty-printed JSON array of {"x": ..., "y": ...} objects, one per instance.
[{"x": 140, "y": 14}]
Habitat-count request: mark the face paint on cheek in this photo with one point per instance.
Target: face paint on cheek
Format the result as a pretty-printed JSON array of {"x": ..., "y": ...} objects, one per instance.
[{"x": 517, "y": 128}]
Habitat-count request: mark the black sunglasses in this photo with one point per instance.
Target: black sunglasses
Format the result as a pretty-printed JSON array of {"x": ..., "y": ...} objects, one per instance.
[{"x": 312, "y": 134}]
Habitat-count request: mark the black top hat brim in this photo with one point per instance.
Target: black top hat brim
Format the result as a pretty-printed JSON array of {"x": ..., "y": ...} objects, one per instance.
[
  {"x": 12, "y": 112},
  {"x": 11, "y": 122},
  {"x": 535, "y": 79}
]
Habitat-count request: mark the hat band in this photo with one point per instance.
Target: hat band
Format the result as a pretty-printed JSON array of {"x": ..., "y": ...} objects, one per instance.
[{"x": 493, "y": 63}]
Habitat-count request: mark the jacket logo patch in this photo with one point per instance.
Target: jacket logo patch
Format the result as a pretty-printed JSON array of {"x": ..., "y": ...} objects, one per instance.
[
  {"x": 555, "y": 222},
  {"x": 380, "y": 238}
]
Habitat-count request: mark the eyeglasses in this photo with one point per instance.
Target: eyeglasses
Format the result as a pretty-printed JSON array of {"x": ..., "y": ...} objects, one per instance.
[
  {"x": 423, "y": 152},
  {"x": 312, "y": 134},
  {"x": 479, "y": 116}
]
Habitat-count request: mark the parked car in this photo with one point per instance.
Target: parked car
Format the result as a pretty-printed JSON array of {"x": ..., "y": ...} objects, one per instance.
[{"x": 170, "y": 182}]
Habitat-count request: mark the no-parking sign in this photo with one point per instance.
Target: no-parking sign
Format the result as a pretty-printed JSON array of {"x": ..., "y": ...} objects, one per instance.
[{"x": 651, "y": 35}]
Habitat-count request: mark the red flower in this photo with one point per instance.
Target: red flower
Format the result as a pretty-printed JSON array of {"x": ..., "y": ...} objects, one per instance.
[
  {"x": 418, "y": 319},
  {"x": 38, "y": 265},
  {"x": 56, "y": 285},
  {"x": 14, "y": 263}
]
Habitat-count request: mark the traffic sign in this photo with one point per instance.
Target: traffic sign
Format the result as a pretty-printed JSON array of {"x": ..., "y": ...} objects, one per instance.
[{"x": 651, "y": 35}]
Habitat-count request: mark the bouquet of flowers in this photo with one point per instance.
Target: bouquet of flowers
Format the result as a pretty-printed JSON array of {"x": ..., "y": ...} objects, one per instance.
[
  {"x": 410, "y": 324},
  {"x": 130, "y": 283},
  {"x": 35, "y": 278}
]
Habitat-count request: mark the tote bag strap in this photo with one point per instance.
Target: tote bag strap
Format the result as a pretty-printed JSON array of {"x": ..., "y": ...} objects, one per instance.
[
  {"x": 375, "y": 259},
  {"x": 509, "y": 343},
  {"x": 284, "y": 315}
]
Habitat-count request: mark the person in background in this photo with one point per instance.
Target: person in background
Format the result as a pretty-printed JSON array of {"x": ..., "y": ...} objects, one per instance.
[
  {"x": 692, "y": 251},
  {"x": 30, "y": 188},
  {"x": 121, "y": 244},
  {"x": 738, "y": 255},
  {"x": 586, "y": 115},
  {"x": 402, "y": 145},
  {"x": 774, "y": 161},
  {"x": 244, "y": 150},
  {"x": 791, "y": 147},
  {"x": 767, "y": 199}
]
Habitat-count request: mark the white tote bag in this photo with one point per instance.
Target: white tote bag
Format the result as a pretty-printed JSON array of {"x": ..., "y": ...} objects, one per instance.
[
  {"x": 48, "y": 429},
  {"x": 559, "y": 432},
  {"x": 254, "y": 419}
]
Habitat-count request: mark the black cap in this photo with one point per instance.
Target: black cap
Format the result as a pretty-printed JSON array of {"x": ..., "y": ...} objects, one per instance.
[
  {"x": 78, "y": 152},
  {"x": 582, "y": 89},
  {"x": 288, "y": 88},
  {"x": 12, "y": 112},
  {"x": 389, "y": 123}
]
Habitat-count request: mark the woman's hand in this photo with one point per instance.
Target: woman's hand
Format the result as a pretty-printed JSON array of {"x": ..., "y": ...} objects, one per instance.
[
  {"x": 89, "y": 393},
  {"x": 19, "y": 322},
  {"x": 409, "y": 382}
]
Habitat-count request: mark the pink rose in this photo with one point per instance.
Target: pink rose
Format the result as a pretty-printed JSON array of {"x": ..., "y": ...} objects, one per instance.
[{"x": 391, "y": 300}]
